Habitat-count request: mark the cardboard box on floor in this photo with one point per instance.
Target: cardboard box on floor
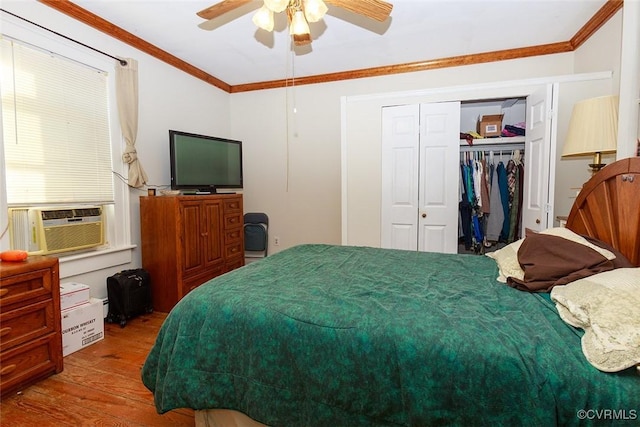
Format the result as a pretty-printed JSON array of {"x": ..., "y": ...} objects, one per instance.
[
  {"x": 82, "y": 326},
  {"x": 490, "y": 125},
  {"x": 73, "y": 294}
]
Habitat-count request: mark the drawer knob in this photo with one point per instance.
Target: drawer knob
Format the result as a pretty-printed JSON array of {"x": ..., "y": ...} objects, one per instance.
[
  {"x": 5, "y": 331},
  {"x": 7, "y": 369}
]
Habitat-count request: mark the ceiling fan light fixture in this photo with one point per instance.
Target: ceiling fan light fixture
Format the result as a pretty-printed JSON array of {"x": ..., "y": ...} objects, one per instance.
[
  {"x": 263, "y": 18},
  {"x": 302, "y": 39},
  {"x": 276, "y": 6},
  {"x": 314, "y": 10},
  {"x": 299, "y": 25}
]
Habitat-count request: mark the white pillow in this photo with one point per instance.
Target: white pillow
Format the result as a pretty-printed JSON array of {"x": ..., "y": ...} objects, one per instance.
[
  {"x": 607, "y": 306},
  {"x": 507, "y": 260}
]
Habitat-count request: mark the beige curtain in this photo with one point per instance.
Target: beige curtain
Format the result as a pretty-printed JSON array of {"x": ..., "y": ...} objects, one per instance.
[{"x": 127, "y": 96}]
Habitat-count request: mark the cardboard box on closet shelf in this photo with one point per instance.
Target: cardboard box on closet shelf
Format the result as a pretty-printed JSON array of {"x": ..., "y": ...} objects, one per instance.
[
  {"x": 490, "y": 125},
  {"x": 73, "y": 294},
  {"x": 82, "y": 326}
]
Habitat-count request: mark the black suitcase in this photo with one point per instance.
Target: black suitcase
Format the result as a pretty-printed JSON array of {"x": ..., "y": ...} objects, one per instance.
[{"x": 129, "y": 293}]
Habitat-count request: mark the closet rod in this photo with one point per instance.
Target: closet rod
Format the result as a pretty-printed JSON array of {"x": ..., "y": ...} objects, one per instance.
[
  {"x": 122, "y": 61},
  {"x": 494, "y": 148}
]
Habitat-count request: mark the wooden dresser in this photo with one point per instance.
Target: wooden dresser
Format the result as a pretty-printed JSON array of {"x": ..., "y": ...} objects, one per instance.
[
  {"x": 30, "y": 331},
  {"x": 187, "y": 240}
]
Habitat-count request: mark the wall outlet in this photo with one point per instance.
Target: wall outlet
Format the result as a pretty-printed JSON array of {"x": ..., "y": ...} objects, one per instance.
[{"x": 276, "y": 241}]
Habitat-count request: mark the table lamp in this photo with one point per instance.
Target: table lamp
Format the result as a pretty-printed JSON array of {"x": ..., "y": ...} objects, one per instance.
[{"x": 593, "y": 129}]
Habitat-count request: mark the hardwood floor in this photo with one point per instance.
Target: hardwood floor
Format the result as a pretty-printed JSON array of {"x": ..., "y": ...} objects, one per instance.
[{"x": 100, "y": 386}]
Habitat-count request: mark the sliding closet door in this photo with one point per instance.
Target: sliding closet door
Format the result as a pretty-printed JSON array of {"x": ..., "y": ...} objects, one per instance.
[
  {"x": 420, "y": 145},
  {"x": 438, "y": 182},
  {"x": 399, "y": 198},
  {"x": 536, "y": 207}
]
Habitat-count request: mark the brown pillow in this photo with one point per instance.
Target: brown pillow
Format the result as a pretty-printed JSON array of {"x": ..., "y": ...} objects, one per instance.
[
  {"x": 549, "y": 260},
  {"x": 620, "y": 261}
]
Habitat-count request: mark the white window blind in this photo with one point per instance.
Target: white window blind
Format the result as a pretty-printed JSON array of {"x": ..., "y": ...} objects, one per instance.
[{"x": 56, "y": 128}]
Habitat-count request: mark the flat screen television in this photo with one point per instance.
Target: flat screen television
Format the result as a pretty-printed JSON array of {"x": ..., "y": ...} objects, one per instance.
[{"x": 203, "y": 163}]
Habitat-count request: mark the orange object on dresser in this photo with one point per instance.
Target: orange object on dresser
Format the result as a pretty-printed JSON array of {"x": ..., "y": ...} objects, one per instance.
[{"x": 13, "y": 255}]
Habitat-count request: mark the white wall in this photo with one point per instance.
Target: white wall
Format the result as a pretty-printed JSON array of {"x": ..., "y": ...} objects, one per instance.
[{"x": 169, "y": 99}]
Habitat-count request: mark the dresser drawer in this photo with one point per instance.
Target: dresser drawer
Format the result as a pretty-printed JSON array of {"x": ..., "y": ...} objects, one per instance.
[
  {"x": 233, "y": 220},
  {"x": 26, "y": 323},
  {"x": 233, "y": 250},
  {"x": 233, "y": 236},
  {"x": 23, "y": 364},
  {"x": 233, "y": 205},
  {"x": 26, "y": 286}
]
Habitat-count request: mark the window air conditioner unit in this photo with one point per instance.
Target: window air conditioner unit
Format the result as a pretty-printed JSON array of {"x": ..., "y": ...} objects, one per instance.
[{"x": 45, "y": 231}]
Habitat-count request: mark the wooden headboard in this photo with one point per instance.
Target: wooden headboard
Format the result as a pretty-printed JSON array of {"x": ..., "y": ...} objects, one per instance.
[{"x": 608, "y": 208}]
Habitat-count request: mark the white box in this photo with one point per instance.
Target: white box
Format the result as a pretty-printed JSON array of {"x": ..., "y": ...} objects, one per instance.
[
  {"x": 73, "y": 294},
  {"x": 82, "y": 326}
]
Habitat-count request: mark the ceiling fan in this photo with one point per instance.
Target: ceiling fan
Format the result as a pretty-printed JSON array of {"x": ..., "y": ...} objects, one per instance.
[{"x": 299, "y": 13}]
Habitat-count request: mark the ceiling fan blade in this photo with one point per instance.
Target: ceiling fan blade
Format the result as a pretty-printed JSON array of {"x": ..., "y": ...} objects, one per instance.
[
  {"x": 221, "y": 8},
  {"x": 374, "y": 9}
]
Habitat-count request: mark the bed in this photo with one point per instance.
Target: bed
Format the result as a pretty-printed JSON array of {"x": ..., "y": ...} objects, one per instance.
[{"x": 326, "y": 335}]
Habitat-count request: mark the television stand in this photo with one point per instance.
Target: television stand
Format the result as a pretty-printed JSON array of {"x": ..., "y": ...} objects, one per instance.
[{"x": 205, "y": 231}]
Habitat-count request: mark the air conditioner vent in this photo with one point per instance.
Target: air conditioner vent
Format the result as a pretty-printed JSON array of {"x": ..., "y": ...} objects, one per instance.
[
  {"x": 87, "y": 212},
  {"x": 57, "y": 214},
  {"x": 56, "y": 230}
]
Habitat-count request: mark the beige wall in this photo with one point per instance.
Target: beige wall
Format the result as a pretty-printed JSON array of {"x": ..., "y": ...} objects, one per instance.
[{"x": 601, "y": 52}]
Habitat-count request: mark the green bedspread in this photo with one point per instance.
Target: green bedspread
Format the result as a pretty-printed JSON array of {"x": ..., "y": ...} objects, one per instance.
[{"x": 321, "y": 335}]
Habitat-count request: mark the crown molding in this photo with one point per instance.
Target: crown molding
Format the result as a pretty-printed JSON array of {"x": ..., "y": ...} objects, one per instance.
[{"x": 80, "y": 14}]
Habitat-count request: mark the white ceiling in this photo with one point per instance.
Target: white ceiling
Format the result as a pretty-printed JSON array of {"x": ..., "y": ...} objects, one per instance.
[{"x": 233, "y": 50}]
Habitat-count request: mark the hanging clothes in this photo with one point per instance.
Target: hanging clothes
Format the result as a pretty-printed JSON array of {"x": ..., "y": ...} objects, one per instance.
[
  {"x": 490, "y": 203},
  {"x": 484, "y": 190},
  {"x": 504, "y": 199},
  {"x": 516, "y": 202},
  {"x": 514, "y": 195},
  {"x": 520, "y": 200},
  {"x": 465, "y": 209},
  {"x": 496, "y": 217}
]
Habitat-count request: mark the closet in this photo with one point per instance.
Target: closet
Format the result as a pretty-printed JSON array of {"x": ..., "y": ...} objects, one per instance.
[
  {"x": 491, "y": 177},
  {"x": 421, "y": 166}
]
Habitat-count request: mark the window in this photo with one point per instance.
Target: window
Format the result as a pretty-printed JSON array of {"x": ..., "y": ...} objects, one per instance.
[
  {"x": 56, "y": 129},
  {"x": 90, "y": 132}
]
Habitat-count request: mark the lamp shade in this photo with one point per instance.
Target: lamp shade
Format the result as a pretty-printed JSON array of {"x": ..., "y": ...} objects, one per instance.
[
  {"x": 593, "y": 127},
  {"x": 314, "y": 10},
  {"x": 264, "y": 18},
  {"x": 299, "y": 25}
]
